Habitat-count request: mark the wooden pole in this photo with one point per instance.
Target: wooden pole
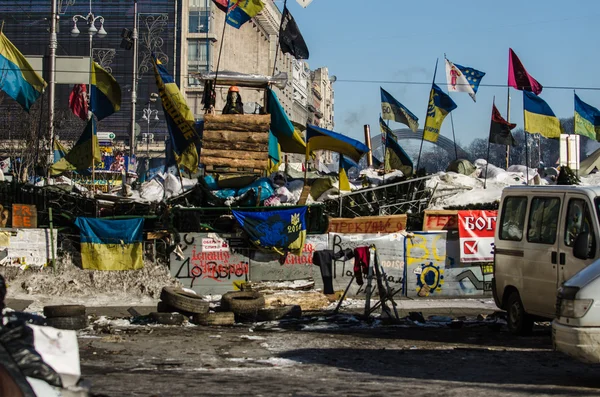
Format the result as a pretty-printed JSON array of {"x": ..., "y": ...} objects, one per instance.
[
  {"x": 454, "y": 136},
  {"x": 487, "y": 160},
  {"x": 367, "y": 129},
  {"x": 508, "y": 120},
  {"x": 526, "y": 148}
]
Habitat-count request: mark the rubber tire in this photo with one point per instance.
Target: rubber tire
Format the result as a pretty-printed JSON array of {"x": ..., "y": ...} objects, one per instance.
[
  {"x": 184, "y": 301},
  {"x": 167, "y": 318},
  {"x": 64, "y": 311},
  {"x": 517, "y": 320},
  {"x": 243, "y": 302},
  {"x": 72, "y": 323},
  {"x": 163, "y": 307},
  {"x": 277, "y": 313},
  {"x": 221, "y": 318}
]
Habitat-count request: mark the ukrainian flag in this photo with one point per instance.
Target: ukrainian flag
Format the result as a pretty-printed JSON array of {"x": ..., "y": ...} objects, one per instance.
[
  {"x": 587, "y": 120},
  {"x": 180, "y": 119},
  {"x": 111, "y": 244},
  {"x": 539, "y": 118},
  {"x": 395, "y": 157},
  {"x": 321, "y": 139},
  {"x": 241, "y": 11},
  {"x": 18, "y": 80},
  {"x": 59, "y": 150},
  {"x": 105, "y": 93},
  {"x": 440, "y": 104},
  {"x": 345, "y": 165},
  {"x": 394, "y": 110},
  {"x": 283, "y": 130},
  {"x": 83, "y": 155}
]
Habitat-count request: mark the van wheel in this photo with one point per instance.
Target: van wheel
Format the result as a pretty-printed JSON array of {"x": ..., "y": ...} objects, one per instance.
[{"x": 518, "y": 321}]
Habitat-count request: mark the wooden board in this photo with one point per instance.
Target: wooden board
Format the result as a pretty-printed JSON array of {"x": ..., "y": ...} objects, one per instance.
[
  {"x": 237, "y": 122},
  {"x": 368, "y": 224},
  {"x": 304, "y": 195},
  {"x": 233, "y": 136},
  {"x": 223, "y": 145},
  {"x": 440, "y": 220},
  {"x": 24, "y": 216},
  {"x": 233, "y": 154}
]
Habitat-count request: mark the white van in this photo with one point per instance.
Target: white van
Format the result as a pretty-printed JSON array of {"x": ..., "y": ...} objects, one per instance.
[
  {"x": 544, "y": 236},
  {"x": 576, "y": 329}
]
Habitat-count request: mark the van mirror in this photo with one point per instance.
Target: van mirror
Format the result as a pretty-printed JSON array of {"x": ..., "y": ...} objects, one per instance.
[{"x": 581, "y": 247}]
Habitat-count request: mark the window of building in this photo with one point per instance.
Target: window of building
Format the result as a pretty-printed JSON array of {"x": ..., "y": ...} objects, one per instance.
[
  {"x": 543, "y": 220},
  {"x": 513, "y": 218},
  {"x": 198, "y": 21}
]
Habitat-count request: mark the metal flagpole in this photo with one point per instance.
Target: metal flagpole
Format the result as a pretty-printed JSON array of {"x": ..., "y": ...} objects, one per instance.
[
  {"x": 51, "y": 81},
  {"x": 453, "y": 135},
  {"x": 278, "y": 36},
  {"x": 220, "y": 51},
  {"x": 134, "y": 83},
  {"x": 508, "y": 120},
  {"x": 423, "y": 136},
  {"x": 487, "y": 160},
  {"x": 526, "y": 148}
]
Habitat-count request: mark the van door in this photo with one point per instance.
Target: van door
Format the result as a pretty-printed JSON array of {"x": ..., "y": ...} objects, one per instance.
[
  {"x": 540, "y": 261},
  {"x": 578, "y": 218}
]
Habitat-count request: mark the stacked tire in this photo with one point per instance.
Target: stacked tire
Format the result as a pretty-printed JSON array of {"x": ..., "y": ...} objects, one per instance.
[
  {"x": 71, "y": 317},
  {"x": 245, "y": 305},
  {"x": 176, "y": 303}
]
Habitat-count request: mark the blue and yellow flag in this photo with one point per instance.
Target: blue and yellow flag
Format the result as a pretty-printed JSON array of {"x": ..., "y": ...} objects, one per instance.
[
  {"x": 395, "y": 111},
  {"x": 587, "y": 120},
  {"x": 440, "y": 104},
  {"x": 276, "y": 230},
  {"x": 345, "y": 165},
  {"x": 111, "y": 244},
  {"x": 180, "y": 119},
  {"x": 83, "y": 155},
  {"x": 18, "y": 80},
  {"x": 105, "y": 93},
  {"x": 539, "y": 118},
  {"x": 241, "y": 11},
  {"x": 59, "y": 150},
  {"x": 321, "y": 139},
  {"x": 395, "y": 157},
  {"x": 288, "y": 137}
]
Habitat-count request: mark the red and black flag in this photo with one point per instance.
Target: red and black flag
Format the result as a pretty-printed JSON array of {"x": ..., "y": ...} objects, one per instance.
[
  {"x": 290, "y": 38},
  {"x": 500, "y": 129},
  {"x": 518, "y": 77}
]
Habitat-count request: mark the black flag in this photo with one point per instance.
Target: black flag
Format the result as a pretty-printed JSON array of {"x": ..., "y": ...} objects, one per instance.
[
  {"x": 500, "y": 129},
  {"x": 290, "y": 39}
]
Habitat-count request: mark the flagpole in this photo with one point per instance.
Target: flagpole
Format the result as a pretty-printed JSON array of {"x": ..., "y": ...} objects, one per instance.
[
  {"x": 487, "y": 160},
  {"x": 453, "y": 136},
  {"x": 278, "y": 36},
  {"x": 526, "y": 148},
  {"x": 508, "y": 120},
  {"x": 423, "y": 136},
  {"x": 214, "y": 89}
]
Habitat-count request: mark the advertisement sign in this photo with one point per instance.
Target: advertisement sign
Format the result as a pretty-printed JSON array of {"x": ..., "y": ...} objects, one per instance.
[{"x": 476, "y": 231}]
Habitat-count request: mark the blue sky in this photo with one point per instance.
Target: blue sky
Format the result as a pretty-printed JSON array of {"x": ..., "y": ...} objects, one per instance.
[{"x": 399, "y": 40}]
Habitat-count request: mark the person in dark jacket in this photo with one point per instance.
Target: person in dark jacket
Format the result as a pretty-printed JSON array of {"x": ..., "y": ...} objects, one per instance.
[{"x": 234, "y": 104}]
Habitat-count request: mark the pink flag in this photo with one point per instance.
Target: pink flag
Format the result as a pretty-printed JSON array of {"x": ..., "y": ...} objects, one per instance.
[
  {"x": 78, "y": 101},
  {"x": 518, "y": 77}
]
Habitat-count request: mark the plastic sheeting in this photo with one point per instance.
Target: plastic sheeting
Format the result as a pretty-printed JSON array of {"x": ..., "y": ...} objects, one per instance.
[{"x": 245, "y": 80}]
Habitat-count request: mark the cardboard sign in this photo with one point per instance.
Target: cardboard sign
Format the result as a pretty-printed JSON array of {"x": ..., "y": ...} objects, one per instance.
[
  {"x": 24, "y": 216},
  {"x": 368, "y": 224},
  {"x": 440, "y": 220},
  {"x": 476, "y": 231}
]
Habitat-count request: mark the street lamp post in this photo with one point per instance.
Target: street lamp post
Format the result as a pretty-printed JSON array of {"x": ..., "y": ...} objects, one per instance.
[{"x": 149, "y": 115}]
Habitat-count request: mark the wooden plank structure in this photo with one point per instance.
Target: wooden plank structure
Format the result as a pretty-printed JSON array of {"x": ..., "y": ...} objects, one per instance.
[{"x": 236, "y": 142}]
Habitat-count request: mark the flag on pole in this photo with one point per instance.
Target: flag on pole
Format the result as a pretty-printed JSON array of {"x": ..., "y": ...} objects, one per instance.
[
  {"x": 440, "y": 104},
  {"x": 345, "y": 165},
  {"x": 83, "y": 155},
  {"x": 290, "y": 39},
  {"x": 500, "y": 129},
  {"x": 587, "y": 120},
  {"x": 78, "y": 102},
  {"x": 240, "y": 11},
  {"x": 105, "y": 93},
  {"x": 395, "y": 157},
  {"x": 321, "y": 139},
  {"x": 393, "y": 110},
  {"x": 463, "y": 78},
  {"x": 222, "y": 4},
  {"x": 518, "y": 77},
  {"x": 180, "y": 119},
  {"x": 18, "y": 80},
  {"x": 539, "y": 118}
]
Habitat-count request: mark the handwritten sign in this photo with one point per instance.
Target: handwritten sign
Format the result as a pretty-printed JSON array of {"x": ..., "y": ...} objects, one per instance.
[
  {"x": 440, "y": 220},
  {"x": 24, "y": 216},
  {"x": 368, "y": 224}
]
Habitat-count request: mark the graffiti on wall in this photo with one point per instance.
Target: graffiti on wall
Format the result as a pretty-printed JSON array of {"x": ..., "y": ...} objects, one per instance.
[
  {"x": 266, "y": 266},
  {"x": 390, "y": 250},
  {"x": 205, "y": 263}
]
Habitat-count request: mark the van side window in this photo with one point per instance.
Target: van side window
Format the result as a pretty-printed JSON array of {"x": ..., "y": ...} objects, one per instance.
[
  {"x": 543, "y": 220},
  {"x": 513, "y": 218},
  {"x": 579, "y": 220}
]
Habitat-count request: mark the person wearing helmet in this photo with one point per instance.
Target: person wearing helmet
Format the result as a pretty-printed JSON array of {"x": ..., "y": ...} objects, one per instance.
[{"x": 234, "y": 104}]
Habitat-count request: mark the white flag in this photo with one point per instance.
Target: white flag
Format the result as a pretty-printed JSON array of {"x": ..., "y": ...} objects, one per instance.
[
  {"x": 457, "y": 81},
  {"x": 304, "y": 3}
]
